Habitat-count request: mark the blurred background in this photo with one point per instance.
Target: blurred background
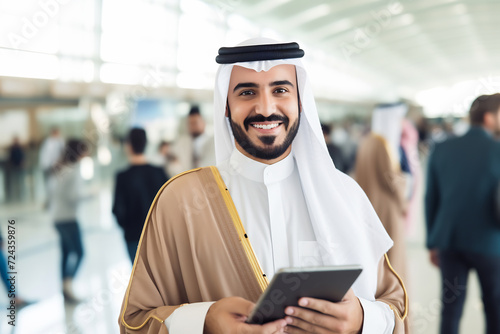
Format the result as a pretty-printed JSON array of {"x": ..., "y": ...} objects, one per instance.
[{"x": 93, "y": 69}]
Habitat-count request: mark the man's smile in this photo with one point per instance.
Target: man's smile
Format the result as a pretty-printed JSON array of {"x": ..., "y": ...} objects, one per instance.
[{"x": 266, "y": 125}]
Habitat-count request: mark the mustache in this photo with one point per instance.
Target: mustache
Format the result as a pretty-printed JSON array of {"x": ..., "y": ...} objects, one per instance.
[{"x": 259, "y": 118}]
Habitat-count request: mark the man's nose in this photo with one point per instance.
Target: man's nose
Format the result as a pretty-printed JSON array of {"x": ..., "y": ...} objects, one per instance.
[{"x": 265, "y": 105}]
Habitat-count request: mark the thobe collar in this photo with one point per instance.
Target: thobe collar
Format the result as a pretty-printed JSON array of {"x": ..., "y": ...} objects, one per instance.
[{"x": 260, "y": 172}]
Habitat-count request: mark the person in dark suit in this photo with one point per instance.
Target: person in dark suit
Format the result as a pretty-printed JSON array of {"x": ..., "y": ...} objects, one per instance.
[
  {"x": 135, "y": 189},
  {"x": 462, "y": 233}
]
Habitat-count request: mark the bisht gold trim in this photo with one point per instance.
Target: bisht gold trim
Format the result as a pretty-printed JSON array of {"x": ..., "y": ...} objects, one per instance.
[
  {"x": 247, "y": 246},
  {"x": 405, "y": 313}
]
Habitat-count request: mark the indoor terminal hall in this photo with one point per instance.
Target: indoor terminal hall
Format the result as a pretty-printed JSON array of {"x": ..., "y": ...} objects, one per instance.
[{"x": 160, "y": 158}]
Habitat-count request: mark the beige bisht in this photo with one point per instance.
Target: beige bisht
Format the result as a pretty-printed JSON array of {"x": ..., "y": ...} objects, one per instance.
[
  {"x": 379, "y": 174},
  {"x": 194, "y": 249}
]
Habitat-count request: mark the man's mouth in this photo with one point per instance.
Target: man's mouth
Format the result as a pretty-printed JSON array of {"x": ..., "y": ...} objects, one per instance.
[{"x": 267, "y": 126}]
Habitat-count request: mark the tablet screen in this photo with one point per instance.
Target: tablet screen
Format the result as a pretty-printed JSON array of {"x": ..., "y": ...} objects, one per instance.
[{"x": 290, "y": 284}]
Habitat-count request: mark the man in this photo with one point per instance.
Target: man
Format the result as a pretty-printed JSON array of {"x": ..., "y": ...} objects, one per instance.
[
  {"x": 196, "y": 149},
  {"x": 214, "y": 236},
  {"x": 462, "y": 234},
  {"x": 379, "y": 173},
  {"x": 15, "y": 171},
  {"x": 135, "y": 188}
]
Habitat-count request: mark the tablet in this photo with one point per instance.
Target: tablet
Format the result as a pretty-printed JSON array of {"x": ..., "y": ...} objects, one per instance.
[{"x": 290, "y": 284}]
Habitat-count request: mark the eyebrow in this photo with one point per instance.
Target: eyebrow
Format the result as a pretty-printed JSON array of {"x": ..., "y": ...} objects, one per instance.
[
  {"x": 281, "y": 83},
  {"x": 254, "y": 85},
  {"x": 245, "y": 85}
]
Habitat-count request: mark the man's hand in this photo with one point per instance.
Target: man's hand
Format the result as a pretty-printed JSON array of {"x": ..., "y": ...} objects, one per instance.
[
  {"x": 321, "y": 316},
  {"x": 434, "y": 257},
  {"x": 228, "y": 315}
]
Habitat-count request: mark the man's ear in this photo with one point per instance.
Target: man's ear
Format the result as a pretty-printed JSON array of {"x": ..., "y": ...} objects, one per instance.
[
  {"x": 489, "y": 119},
  {"x": 226, "y": 114}
]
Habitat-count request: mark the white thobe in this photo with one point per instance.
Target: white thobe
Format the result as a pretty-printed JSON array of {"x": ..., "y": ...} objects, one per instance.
[{"x": 273, "y": 210}]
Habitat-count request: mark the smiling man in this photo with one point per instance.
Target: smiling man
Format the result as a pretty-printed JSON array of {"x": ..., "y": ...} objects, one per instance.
[{"x": 215, "y": 235}]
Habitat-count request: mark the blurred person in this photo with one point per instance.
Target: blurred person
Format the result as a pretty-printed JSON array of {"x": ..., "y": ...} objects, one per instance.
[
  {"x": 15, "y": 171},
  {"x": 341, "y": 136},
  {"x": 462, "y": 233},
  {"x": 379, "y": 174},
  {"x": 66, "y": 190},
  {"x": 215, "y": 235},
  {"x": 196, "y": 149},
  {"x": 166, "y": 158},
  {"x": 409, "y": 145},
  {"x": 334, "y": 151},
  {"x": 135, "y": 189},
  {"x": 160, "y": 156},
  {"x": 50, "y": 153},
  {"x": 378, "y": 171}
]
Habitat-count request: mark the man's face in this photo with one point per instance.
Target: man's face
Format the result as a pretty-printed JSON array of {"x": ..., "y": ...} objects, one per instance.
[
  {"x": 196, "y": 125},
  {"x": 263, "y": 108}
]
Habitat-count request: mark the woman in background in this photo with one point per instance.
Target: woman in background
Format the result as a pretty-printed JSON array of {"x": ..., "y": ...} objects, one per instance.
[{"x": 66, "y": 192}]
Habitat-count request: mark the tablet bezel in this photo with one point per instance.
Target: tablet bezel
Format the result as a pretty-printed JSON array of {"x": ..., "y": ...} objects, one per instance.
[{"x": 290, "y": 284}]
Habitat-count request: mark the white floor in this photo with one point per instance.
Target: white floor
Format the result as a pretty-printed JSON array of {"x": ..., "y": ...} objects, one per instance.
[{"x": 104, "y": 275}]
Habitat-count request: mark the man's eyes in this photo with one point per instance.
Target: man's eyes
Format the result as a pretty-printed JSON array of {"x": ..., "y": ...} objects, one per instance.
[{"x": 251, "y": 92}]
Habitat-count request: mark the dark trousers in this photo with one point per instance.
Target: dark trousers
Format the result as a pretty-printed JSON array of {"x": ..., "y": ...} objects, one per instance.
[
  {"x": 71, "y": 243},
  {"x": 455, "y": 268}
]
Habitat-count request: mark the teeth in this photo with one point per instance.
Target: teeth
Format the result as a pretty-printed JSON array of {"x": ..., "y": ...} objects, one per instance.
[{"x": 265, "y": 126}]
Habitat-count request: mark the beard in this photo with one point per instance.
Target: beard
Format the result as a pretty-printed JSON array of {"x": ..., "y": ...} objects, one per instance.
[{"x": 269, "y": 151}]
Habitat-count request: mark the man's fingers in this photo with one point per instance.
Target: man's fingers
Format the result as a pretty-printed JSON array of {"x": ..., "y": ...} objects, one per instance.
[
  {"x": 294, "y": 330},
  {"x": 273, "y": 327},
  {"x": 299, "y": 326},
  {"x": 336, "y": 310},
  {"x": 276, "y": 326},
  {"x": 308, "y": 316}
]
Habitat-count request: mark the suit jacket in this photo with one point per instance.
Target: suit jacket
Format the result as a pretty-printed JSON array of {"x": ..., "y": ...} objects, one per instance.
[{"x": 462, "y": 177}]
